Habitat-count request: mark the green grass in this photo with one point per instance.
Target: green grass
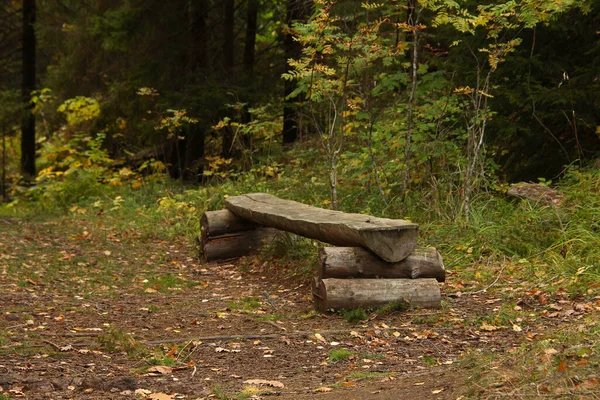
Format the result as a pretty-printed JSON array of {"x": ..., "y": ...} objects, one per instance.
[
  {"x": 336, "y": 355},
  {"x": 246, "y": 304},
  {"x": 162, "y": 360},
  {"x": 354, "y": 315},
  {"x": 117, "y": 340}
]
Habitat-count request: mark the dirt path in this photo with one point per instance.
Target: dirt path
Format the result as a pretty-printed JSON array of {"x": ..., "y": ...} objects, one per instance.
[{"x": 89, "y": 319}]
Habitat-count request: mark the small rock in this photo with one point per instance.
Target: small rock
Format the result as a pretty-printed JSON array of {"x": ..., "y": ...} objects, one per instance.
[{"x": 11, "y": 317}]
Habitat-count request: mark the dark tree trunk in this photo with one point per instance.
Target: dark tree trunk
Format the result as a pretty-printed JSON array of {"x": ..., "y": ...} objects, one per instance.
[
  {"x": 297, "y": 10},
  {"x": 249, "y": 46},
  {"x": 198, "y": 31},
  {"x": 228, "y": 64},
  {"x": 28, "y": 86},
  {"x": 194, "y": 152}
]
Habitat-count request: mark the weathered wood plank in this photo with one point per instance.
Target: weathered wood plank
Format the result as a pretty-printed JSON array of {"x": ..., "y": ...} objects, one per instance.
[
  {"x": 354, "y": 293},
  {"x": 391, "y": 239},
  {"x": 356, "y": 262}
]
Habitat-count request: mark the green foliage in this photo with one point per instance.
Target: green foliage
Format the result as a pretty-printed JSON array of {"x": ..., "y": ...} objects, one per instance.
[
  {"x": 162, "y": 360},
  {"x": 336, "y": 355},
  {"x": 293, "y": 252},
  {"x": 117, "y": 340},
  {"x": 80, "y": 109},
  {"x": 354, "y": 315}
]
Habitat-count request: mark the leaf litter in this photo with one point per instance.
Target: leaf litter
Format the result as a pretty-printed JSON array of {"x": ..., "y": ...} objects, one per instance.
[{"x": 111, "y": 302}]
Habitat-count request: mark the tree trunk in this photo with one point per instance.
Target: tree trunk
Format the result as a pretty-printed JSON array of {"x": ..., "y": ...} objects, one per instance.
[
  {"x": 198, "y": 33},
  {"x": 356, "y": 262},
  {"x": 297, "y": 10},
  {"x": 391, "y": 239},
  {"x": 355, "y": 293},
  {"x": 249, "y": 46},
  {"x": 28, "y": 86},
  {"x": 413, "y": 22},
  {"x": 228, "y": 64},
  {"x": 194, "y": 152}
]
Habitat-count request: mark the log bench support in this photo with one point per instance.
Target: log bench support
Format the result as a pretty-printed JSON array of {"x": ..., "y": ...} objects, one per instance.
[{"x": 334, "y": 293}]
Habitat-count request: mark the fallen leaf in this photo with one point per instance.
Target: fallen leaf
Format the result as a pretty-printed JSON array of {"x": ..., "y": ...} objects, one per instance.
[
  {"x": 142, "y": 392},
  {"x": 323, "y": 389},
  {"x": 550, "y": 351},
  {"x": 589, "y": 384},
  {"x": 160, "y": 396},
  {"x": 260, "y": 382},
  {"x": 516, "y": 328},
  {"x": 562, "y": 366},
  {"x": 419, "y": 383},
  {"x": 159, "y": 370},
  {"x": 320, "y": 338},
  {"x": 489, "y": 328},
  {"x": 349, "y": 383},
  {"x": 437, "y": 391}
]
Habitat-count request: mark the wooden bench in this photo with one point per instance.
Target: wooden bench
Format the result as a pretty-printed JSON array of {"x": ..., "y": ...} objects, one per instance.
[{"x": 371, "y": 248}]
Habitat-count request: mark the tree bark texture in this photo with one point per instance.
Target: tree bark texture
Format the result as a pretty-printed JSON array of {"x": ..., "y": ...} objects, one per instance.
[
  {"x": 236, "y": 244},
  {"x": 297, "y": 10},
  {"x": 356, "y": 262},
  {"x": 221, "y": 222},
  {"x": 28, "y": 86},
  {"x": 198, "y": 31},
  {"x": 228, "y": 64},
  {"x": 391, "y": 239},
  {"x": 250, "y": 44},
  {"x": 354, "y": 293}
]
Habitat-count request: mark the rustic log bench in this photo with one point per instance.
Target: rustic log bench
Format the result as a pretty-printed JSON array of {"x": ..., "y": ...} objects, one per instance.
[{"x": 373, "y": 248}]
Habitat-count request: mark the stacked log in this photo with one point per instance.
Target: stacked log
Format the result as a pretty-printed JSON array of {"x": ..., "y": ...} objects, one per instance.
[
  {"x": 223, "y": 235},
  {"x": 377, "y": 261},
  {"x": 335, "y": 293},
  {"x": 356, "y": 262}
]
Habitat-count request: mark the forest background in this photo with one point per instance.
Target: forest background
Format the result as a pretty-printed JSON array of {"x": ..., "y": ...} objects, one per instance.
[{"x": 424, "y": 110}]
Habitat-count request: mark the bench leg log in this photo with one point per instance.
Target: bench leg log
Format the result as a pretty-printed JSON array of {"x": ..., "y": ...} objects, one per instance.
[
  {"x": 237, "y": 244},
  {"x": 356, "y": 262},
  {"x": 221, "y": 222},
  {"x": 334, "y": 293}
]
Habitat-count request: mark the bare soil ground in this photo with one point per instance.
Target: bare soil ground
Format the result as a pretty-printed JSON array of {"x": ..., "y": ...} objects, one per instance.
[{"x": 94, "y": 312}]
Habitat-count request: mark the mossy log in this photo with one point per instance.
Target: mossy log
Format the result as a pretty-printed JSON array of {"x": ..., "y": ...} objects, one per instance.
[
  {"x": 334, "y": 293},
  {"x": 356, "y": 262},
  {"x": 391, "y": 239}
]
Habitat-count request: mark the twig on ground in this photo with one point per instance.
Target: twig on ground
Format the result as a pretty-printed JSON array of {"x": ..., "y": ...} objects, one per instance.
[
  {"x": 485, "y": 289},
  {"x": 269, "y": 300}
]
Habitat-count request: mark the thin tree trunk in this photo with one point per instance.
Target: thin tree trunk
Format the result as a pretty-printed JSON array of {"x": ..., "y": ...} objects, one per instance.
[
  {"x": 28, "y": 86},
  {"x": 297, "y": 10},
  {"x": 228, "y": 64},
  {"x": 413, "y": 21},
  {"x": 4, "y": 163},
  {"x": 198, "y": 32},
  {"x": 249, "y": 46}
]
